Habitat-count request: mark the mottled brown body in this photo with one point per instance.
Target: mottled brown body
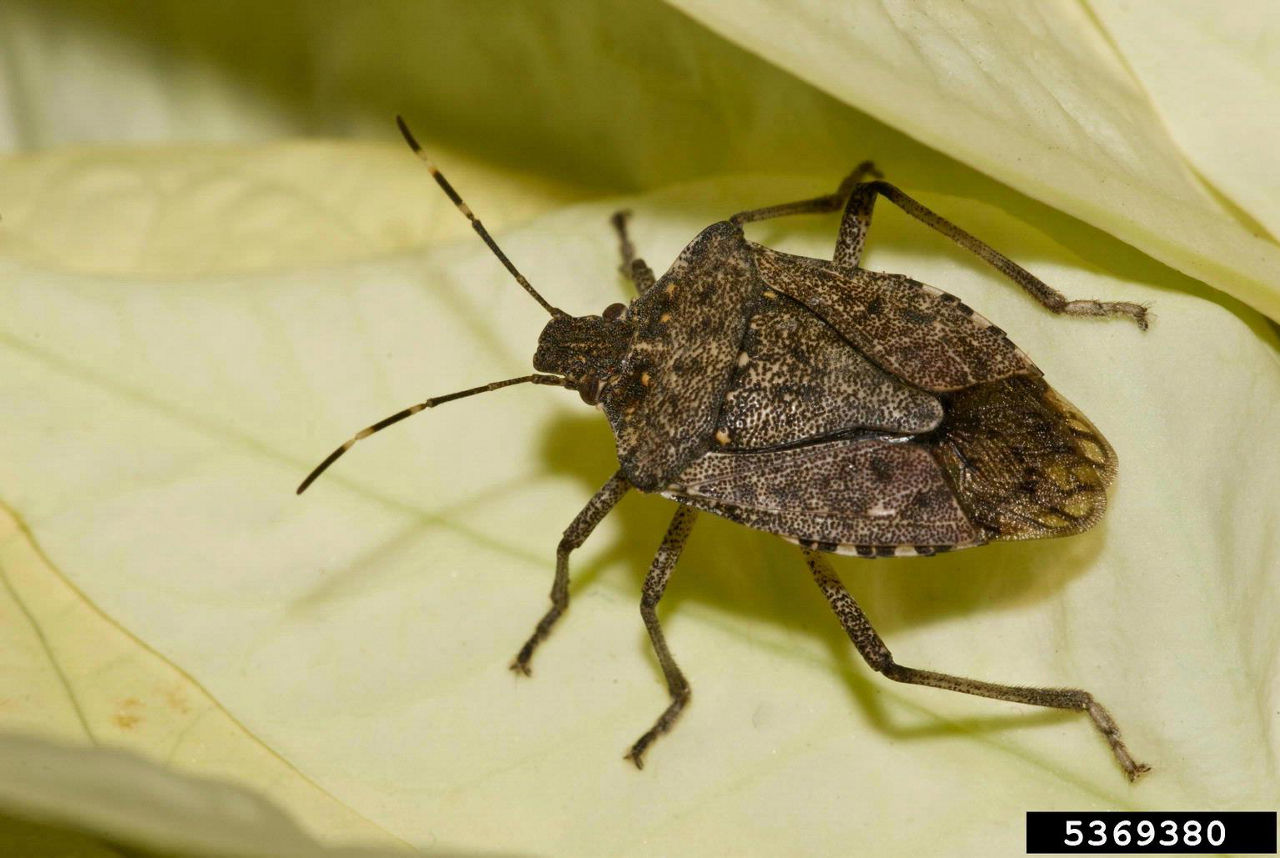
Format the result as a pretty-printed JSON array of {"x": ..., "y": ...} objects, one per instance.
[{"x": 846, "y": 410}]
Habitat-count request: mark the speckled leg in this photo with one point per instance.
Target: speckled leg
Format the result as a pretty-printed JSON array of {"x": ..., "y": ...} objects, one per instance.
[
  {"x": 574, "y": 535},
  {"x": 816, "y": 205},
  {"x": 877, "y": 655},
  {"x": 654, "y": 585},
  {"x": 633, "y": 268},
  {"x": 857, "y": 218}
]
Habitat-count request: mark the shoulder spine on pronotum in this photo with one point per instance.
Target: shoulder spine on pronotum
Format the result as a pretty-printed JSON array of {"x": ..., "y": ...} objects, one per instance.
[{"x": 845, "y": 410}]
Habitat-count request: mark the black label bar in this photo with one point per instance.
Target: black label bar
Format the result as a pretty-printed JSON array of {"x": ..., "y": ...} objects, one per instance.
[{"x": 1238, "y": 831}]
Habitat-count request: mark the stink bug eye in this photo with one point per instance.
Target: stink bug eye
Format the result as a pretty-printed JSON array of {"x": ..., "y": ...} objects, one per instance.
[
  {"x": 847, "y": 411},
  {"x": 589, "y": 389}
]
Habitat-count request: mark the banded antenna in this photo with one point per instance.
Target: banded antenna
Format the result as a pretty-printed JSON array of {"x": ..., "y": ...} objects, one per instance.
[
  {"x": 550, "y": 380},
  {"x": 475, "y": 221}
]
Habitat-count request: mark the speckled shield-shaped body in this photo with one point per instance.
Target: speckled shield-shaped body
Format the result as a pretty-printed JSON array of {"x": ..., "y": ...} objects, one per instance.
[
  {"x": 843, "y": 409},
  {"x": 846, "y": 410}
]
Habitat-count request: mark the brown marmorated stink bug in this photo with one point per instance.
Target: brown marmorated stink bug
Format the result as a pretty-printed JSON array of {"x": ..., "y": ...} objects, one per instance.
[{"x": 845, "y": 410}]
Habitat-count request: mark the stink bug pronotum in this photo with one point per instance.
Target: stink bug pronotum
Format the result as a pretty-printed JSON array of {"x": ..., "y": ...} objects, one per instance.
[{"x": 845, "y": 410}]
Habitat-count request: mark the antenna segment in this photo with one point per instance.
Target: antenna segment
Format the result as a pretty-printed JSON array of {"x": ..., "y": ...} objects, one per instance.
[{"x": 475, "y": 222}]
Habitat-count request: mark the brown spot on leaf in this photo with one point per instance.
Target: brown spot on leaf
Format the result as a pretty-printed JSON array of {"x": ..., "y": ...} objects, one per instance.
[
  {"x": 126, "y": 716},
  {"x": 176, "y": 700}
]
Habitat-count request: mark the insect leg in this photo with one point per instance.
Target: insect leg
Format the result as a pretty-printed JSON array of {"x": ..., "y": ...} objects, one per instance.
[
  {"x": 816, "y": 205},
  {"x": 654, "y": 584},
  {"x": 634, "y": 268},
  {"x": 857, "y": 217},
  {"x": 877, "y": 655},
  {"x": 574, "y": 535},
  {"x": 854, "y": 225}
]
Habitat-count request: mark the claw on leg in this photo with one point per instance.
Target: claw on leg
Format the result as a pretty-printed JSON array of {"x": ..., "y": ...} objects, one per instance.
[
  {"x": 1103, "y": 721},
  {"x": 663, "y": 724}
]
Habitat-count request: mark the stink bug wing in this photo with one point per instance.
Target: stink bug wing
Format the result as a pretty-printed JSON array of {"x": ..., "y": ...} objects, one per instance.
[
  {"x": 1024, "y": 462},
  {"x": 920, "y": 334},
  {"x": 797, "y": 379},
  {"x": 839, "y": 496},
  {"x": 663, "y": 401}
]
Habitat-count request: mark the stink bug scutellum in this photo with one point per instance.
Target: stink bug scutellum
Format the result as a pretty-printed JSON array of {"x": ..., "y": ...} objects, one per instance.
[{"x": 845, "y": 410}]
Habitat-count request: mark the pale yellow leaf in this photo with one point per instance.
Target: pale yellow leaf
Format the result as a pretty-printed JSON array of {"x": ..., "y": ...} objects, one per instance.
[
  {"x": 1213, "y": 71},
  {"x": 1029, "y": 93},
  {"x": 73, "y": 675},
  {"x": 152, "y": 212},
  {"x": 63, "y": 800},
  {"x": 187, "y": 330},
  {"x": 363, "y": 630}
]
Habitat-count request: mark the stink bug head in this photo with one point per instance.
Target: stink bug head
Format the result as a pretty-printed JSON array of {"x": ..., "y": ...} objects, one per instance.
[{"x": 584, "y": 349}]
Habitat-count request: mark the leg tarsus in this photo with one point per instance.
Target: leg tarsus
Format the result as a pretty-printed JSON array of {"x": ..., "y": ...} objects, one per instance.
[
  {"x": 1089, "y": 307},
  {"x": 655, "y": 583},
  {"x": 678, "y": 701},
  {"x": 877, "y": 655},
  {"x": 574, "y": 535},
  {"x": 1107, "y": 726}
]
